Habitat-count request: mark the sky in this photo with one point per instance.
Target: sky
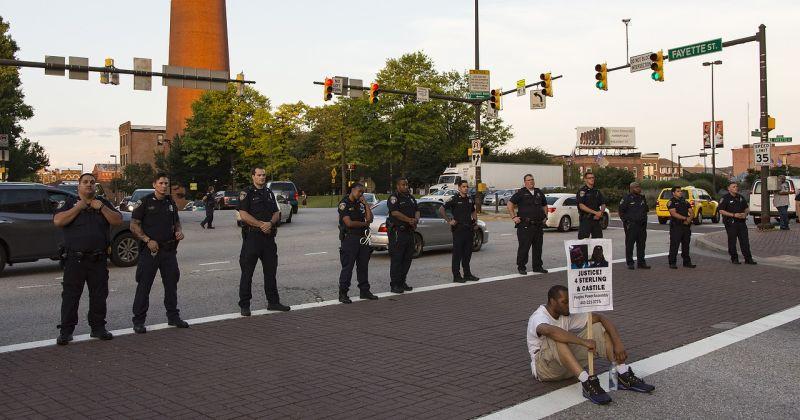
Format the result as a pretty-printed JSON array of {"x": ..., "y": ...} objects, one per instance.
[{"x": 285, "y": 46}]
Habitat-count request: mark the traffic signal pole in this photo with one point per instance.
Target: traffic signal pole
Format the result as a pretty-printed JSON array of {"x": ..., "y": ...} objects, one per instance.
[{"x": 478, "y": 195}]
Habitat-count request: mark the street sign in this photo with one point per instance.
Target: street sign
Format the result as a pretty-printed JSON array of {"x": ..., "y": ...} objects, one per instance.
[
  {"x": 706, "y": 47},
  {"x": 142, "y": 82},
  {"x": 476, "y": 159},
  {"x": 479, "y": 83},
  {"x": 76, "y": 74},
  {"x": 57, "y": 60},
  {"x": 423, "y": 94},
  {"x": 356, "y": 93},
  {"x": 476, "y": 144},
  {"x": 641, "y": 62},
  {"x": 192, "y": 186},
  {"x": 478, "y": 95},
  {"x": 538, "y": 99},
  {"x": 4, "y": 140},
  {"x": 755, "y": 133},
  {"x": 761, "y": 154},
  {"x": 4, "y": 155},
  {"x": 333, "y": 173},
  {"x": 521, "y": 87},
  {"x": 339, "y": 84},
  {"x": 491, "y": 112},
  {"x": 780, "y": 139}
]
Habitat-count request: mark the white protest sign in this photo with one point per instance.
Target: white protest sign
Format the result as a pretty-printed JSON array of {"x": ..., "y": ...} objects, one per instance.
[{"x": 589, "y": 275}]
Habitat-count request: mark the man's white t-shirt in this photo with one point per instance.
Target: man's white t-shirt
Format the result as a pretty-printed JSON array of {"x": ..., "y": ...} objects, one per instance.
[
  {"x": 779, "y": 200},
  {"x": 574, "y": 323}
]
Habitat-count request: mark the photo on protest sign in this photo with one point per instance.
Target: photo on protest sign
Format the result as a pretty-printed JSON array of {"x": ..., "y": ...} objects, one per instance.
[{"x": 589, "y": 275}]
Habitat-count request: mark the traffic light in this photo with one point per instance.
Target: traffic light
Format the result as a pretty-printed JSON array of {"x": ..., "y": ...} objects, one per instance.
[
  {"x": 108, "y": 77},
  {"x": 373, "y": 93},
  {"x": 657, "y": 66},
  {"x": 547, "y": 86},
  {"x": 601, "y": 76},
  {"x": 327, "y": 89},
  {"x": 240, "y": 85},
  {"x": 495, "y": 99}
]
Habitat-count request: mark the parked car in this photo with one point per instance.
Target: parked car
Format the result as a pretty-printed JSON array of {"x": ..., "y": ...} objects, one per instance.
[
  {"x": 441, "y": 196},
  {"x": 286, "y": 189},
  {"x": 72, "y": 186},
  {"x": 703, "y": 207},
  {"x": 562, "y": 212},
  {"x": 123, "y": 204},
  {"x": 196, "y": 205},
  {"x": 26, "y": 212},
  {"x": 755, "y": 200},
  {"x": 502, "y": 196},
  {"x": 371, "y": 198},
  {"x": 135, "y": 197},
  {"x": 283, "y": 206},
  {"x": 226, "y": 200},
  {"x": 432, "y": 232}
]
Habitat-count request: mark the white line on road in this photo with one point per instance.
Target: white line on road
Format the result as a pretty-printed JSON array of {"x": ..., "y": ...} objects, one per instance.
[
  {"x": 506, "y": 234},
  {"x": 217, "y": 269},
  {"x": 215, "y": 263},
  {"x": 569, "y": 396},
  {"x": 37, "y": 285},
  {"x": 317, "y": 253}
]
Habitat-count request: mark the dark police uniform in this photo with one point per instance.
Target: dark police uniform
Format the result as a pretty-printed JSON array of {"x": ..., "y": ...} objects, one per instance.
[
  {"x": 401, "y": 238},
  {"x": 158, "y": 219},
  {"x": 86, "y": 240},
  {"x": 633, "y": 212},
  {"x": 261, "y": 204},
  {"x": 679, "y": 233},
  {"x": 530, "y": 234},
  {"x": 736, "y": 228},
  {"x": 462, "y": 209},
  {"x": 354, "y": 250},
  {"x": 209, "y": 202},
  {"x": 592, "y": 198}
]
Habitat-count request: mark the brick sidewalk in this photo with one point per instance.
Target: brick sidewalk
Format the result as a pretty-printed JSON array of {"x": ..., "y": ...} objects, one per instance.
[
  {"x": 450, "y": 353},
  {"x": 779, "y": 246}
]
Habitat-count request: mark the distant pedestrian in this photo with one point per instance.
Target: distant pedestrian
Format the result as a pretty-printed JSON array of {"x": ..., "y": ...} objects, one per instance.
[
  {"x": 209, "y": 201},
  {"x": 797, "y": 206},
  {"x": 591, "y": 207},
  {"x": 734, "y": 209},
  {"x": 355, "y": 217},
  {"x": 680, "y": 229},
  {"x": 86, "y": 221},
  {"x": 781, "y": 201},
  {"x": 633, "y": 213},
  {"x": 462, "y": 225}
]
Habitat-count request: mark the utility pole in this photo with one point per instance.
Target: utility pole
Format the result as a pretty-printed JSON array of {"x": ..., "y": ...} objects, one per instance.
[
  {"x": 342, "y": 152},
  {"x": 478, "y": 198},
  {"x": 671, "y": 161},
  {"x": 713, "y": 131},
  {"x": 764, "y": 120}
]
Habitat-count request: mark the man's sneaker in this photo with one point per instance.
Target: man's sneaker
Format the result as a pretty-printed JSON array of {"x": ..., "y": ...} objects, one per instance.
[
  {"x": 278, "y": 307},
  {"x": 406, "y": 287},
  {"x": 367, "y": 295},
  {"x": 102, "y": 334},
  {"x": 595, "y": 393},
  {"x": 631, "y": 382},
  {"x": 245, "y": 311},
  {"x": 522, "y": 271},
  {"x": 139, "y": 328},
  {"x": 689, "y": 265},
  {"x": 459, "y": 279},
  {"x": 539, "y": 270},
  {"x": 470, "y": 277},
  {"x": 178, "y": 323},
  {"x": 750, "y": 262}
]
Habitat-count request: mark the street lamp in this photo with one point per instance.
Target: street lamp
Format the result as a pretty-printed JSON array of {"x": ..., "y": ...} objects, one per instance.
[
  {"x": 671, "y": 161},
  {"x": 713, "y": 127},
  {"x": 627, "y": 21},
  {"x": 115, "y": 160},
  {"x": 81, "y": 168}
]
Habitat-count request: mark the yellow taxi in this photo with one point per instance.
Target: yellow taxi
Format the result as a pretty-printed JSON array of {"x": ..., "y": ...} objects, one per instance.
[{"x": 703, "y": 207}]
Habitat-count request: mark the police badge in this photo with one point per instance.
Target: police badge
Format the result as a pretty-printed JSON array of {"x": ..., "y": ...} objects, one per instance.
[{"x": 242, "y": 195}]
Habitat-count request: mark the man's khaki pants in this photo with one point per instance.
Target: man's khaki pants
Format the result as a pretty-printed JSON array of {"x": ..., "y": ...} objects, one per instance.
[{"x": 548, "y": 364}]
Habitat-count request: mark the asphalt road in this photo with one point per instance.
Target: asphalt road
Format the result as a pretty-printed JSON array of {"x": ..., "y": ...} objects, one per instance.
[{"x": 308, "y": 270}]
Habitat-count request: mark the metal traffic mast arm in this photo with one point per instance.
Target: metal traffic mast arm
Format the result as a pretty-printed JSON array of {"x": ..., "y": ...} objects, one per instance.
[{"x": 531, "y": 85}]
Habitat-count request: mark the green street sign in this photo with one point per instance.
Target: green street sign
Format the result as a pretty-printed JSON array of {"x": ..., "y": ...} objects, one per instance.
[
  {"x": 707, "y": 47},
  {"x": 478, "y": 95},
  {"x": 755, "y": 133},
  {"x": 780, "y": 139}
]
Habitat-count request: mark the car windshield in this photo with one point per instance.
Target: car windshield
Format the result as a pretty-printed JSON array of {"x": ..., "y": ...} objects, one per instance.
[
  {"x": 369, "y": 196},
  {"x": 551, "y": 200},
  {"x": 281, "y": 186},
  {"x": 447, "y": 179},
  {"x": 665, "y": 195},
  {"x": 381, "y": 209},
  {"x": 231, "y": 194},
  {"x": 438, "y": 192},
  {"x": 139, "y": 194}
]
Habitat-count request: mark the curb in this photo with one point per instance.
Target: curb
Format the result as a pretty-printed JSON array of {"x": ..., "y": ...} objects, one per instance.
[{"x": 705, "y": 243}]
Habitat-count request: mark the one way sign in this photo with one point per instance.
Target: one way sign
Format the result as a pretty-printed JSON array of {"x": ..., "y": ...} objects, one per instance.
[
  {"x": 537, "y": 99},
  {"x": 476, "y": 159}
]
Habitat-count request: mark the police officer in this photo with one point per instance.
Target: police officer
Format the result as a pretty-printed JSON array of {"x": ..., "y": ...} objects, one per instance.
[
  {"x": 259, "y": 213},
  {"x": 528, "y": 210},
  {"x": 591, "y": 207},
  {"x": 209, "y": 202},
  {"x": 354, "y": 219},
  {"x": 680, "y": 231},
  {"x": 401, "y": 224},
  {"x": 633, "y": 212},
  {"x": 463, "y": 224},
  {"x": 86, "y": 221},
  {"x": 734, "y": 208},
  {"x": 155, "y": 222}
]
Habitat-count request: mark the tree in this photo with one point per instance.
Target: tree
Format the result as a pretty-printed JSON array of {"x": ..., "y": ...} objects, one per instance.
[
  {"x": 525, "y": 155},
  {"x": 25, "y": 158},
  {"x": 611, "y": 177},
  {"x": 134, "y": 176}
]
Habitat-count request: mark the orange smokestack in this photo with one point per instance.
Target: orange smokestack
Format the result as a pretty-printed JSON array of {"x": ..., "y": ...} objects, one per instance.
[{"x": 198, "y": 37}]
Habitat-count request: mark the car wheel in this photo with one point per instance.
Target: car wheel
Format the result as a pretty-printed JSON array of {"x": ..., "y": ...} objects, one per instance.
[
  {"x": 565, "y": 224},
  {"x": 502, "y": 202},
  {"x": 663, "y": 220},
  {"x": 604, "y": 222},
  {"x": 418, "y": 245},
  {"x": 715, "y": 217},
  {"x": 477, "y": 240},
  {"x": 294, "y": 210},
  {"x": 2, "y": 258},
  {"x": 289, "y": 219},
  {"x": 699, "y": 219},
  {"x": 125, "y": 250}
]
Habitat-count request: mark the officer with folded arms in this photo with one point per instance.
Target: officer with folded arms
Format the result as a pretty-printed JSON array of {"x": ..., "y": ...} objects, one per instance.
[
  {"x": 633, "y": 213},
  {"x": 86, "y": 221},
  {"x": 354, "y": 219},
  {"x": 528, "y": 210},
  {"x": 734, "y": 209},
  {"x": 591, "y": 207},
  {"x": 680, "y": 229},
  {"x": 463, "y": 224},
  {"x": 156, "y": 223}
]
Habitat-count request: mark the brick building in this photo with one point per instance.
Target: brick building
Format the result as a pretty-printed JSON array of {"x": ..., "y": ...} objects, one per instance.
[
  {"x": 643, "y": 165},
  {"x": 139, "y": 143},
  {"x": 743, "y": 157}
]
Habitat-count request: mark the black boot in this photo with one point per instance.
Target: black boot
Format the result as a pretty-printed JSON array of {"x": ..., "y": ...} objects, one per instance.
[
  {"x": 101, "y": 333},
  {"x": 65, "y": 336},
  {"x": 343, "y": 297},
  {"x": 367, "y": 295}
]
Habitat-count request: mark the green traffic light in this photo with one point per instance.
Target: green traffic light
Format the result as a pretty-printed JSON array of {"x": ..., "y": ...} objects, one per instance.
[
  {"x": 599, "y": 85},
  {"x": 656, "y": 76}
]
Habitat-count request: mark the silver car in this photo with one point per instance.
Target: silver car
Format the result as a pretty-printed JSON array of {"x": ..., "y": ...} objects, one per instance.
[
  {"x": 283, "y": 206},
  {"x": 432, "y": 232},
  {"x": 502, "y": 197}
]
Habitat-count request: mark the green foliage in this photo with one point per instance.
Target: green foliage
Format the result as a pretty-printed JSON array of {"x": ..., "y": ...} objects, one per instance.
[
  {"x": 25, "y": 158},
  {"x": 653, "y": 184},
  {"x": 611, "y": 177},
  {"x": 526, "y": 155},
  {"x": 613, "y": 196},
  {"x": 695, "y": 179},
  {"x": 134, "y": 176}
]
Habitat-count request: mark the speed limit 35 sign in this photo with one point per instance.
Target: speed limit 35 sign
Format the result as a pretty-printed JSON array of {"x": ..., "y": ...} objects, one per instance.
[{"x": 761, "y": 155}]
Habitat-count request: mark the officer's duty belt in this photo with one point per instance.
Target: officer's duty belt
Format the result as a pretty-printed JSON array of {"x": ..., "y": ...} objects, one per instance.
[{"x": 95, "y": 255}]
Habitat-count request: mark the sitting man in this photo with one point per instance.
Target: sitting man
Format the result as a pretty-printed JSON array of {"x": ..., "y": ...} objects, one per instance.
[{"x": 559, "y": 347}]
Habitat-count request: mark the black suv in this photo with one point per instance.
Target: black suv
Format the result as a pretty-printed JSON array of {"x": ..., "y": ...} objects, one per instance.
[{"x": 27, "y": 232}]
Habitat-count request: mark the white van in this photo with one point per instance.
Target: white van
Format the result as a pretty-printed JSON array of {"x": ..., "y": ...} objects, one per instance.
[{"x": 755, "y": 199}]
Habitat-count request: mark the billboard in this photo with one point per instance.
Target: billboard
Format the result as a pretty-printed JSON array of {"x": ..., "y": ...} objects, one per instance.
[
  {"x": 718, "y": 134},
  {"x": 606, "y": 137}
]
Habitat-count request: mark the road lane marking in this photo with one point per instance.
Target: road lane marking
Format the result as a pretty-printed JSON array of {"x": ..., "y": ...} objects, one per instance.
[
  {"x": 215, "y": 263},
  {"x": 506, "y": 234},
  {"x": 317, "y": 253},
  {"x": 218, "y": 269},
  {"x": 37, "y": 285},
  {"x": 569, "y": 396}
]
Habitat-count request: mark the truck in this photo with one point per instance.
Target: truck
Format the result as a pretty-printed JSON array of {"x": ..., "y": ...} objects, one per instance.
[
  {"x": 772, "y": 185},
  {"x": 500, "y": 175}
]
